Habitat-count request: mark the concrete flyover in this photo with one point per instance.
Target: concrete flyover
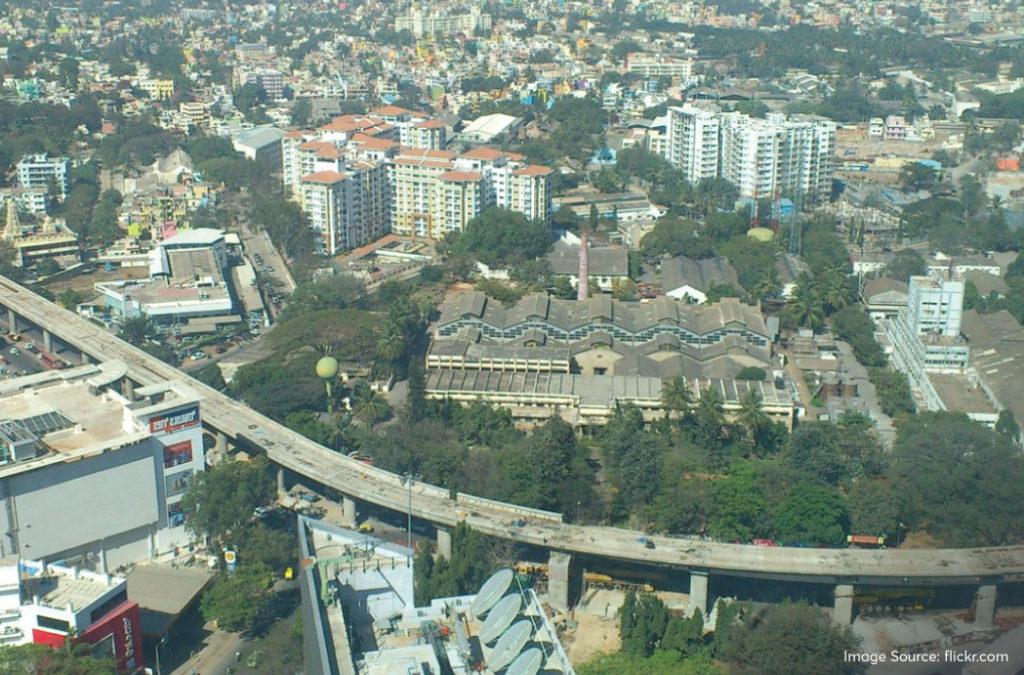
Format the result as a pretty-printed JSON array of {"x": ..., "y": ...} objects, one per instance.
[{"x": 982, "y": 568}]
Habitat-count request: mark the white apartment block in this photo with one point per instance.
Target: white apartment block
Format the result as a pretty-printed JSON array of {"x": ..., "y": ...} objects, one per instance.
[
  {"x": 778, "y": 157},
  {"x": 693, "y": 141},
  {"x": 421, "y": 23},
  {"x": 37, "y": 171},
  {"x": 764, "y": 158},
  {"x": 659, "y": 65}
]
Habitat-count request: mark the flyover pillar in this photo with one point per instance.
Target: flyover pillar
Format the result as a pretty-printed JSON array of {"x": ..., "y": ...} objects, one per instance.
[
  {"x": 47, "y": 341},
  {"x": 348, "y": 512},
  {"x": 444, "y": 542},
  {"x": 280, "y": 475},
  {"x": 559, "y": 584},
  {"x": 12, "y": 320},
  {"x": 85, "y": 359},
  {"x": 842, "y": 612},
  {"x": 698, "y": 592},
  {"x": 128, "y": 388},
  {"x": 985, "y": 606}
]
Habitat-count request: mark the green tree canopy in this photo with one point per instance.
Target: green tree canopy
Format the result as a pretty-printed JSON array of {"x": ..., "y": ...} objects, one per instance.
[{"x": 222, "y": 498}]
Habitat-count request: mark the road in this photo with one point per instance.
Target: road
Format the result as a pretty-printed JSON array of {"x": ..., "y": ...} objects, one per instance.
[{"x": 350, "y": 477}]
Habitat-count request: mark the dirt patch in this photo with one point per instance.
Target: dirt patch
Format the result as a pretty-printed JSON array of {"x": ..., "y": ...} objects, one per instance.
[
  {"x": 593, "y": 635},
  {"x": 83, "y": 283}
]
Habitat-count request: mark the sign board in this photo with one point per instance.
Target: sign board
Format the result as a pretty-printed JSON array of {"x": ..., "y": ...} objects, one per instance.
[{"x": 175, "y": 421}]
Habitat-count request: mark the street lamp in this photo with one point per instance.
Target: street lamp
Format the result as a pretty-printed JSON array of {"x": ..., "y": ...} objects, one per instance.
[
  {"x": 163, "y": 640},
  {"x": 408, "y": 478}
]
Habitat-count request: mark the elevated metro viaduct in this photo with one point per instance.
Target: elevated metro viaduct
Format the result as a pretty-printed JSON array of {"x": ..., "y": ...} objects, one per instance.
[{"x": 983, "y": 568}]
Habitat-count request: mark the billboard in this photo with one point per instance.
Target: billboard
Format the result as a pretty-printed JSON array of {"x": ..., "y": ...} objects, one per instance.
[
  {"x": 177, "y": 453},
  {"x": 178, "y": 483},
  {"x": 121, "y": 630},
  {"x": 177, "y": 420}
]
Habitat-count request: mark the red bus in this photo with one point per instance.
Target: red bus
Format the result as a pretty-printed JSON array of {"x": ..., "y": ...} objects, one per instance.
[{"x": 52, "y": 362}]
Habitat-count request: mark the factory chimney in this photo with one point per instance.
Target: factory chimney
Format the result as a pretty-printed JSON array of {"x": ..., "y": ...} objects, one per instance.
[{"x": 582, "y": 288}]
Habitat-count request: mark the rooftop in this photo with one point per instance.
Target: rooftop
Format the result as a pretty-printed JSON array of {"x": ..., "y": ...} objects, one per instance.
[{"x": 75, "y": 413}]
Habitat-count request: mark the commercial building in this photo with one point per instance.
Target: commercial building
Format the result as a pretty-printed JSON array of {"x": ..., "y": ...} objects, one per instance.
[
  {"x": 188, "y": 277},
  {"x": 359, "y": 615},
  {"x": 997, "y": 358},
  {"x": 585, "y": 357},
  {"x": 260, "y": 144},
  {"x": 92, "y": 476},
  {"x": 926, "y": 340},
  {"x": 47, "y": 604},
  {"x": 42, "y": 171}
]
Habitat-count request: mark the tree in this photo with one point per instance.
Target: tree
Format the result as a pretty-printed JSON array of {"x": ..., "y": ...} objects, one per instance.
[
  {"x": 222, "y": 498},
  {"x": 915, "y": 176},
  {"x": 684, "y": 635},
  {"x": 676, "y": 397},
  {"x": 642, "y": 622},
  {"x": 70, "y": 299},
  {"x": 135, "y": 330},
  {"x": 751, "y": 417},
  {"x": 1007, "y": 425},
  {"x": 805, "y": 306},
  {"x": 500, "y": 236},
  {"x": 752, "y": 374},
  {"x": 260, "y": 545},
  {"x": 893, "y": 388},
  {"x": 874, "y": 509},
  {"x": 978, "y": 472},
  {"x": 369, "y": 406},
  {"x": 211, "y": 376},
  {"x": 301, "y": 111},
  {"x": 791, "y": 638},
  {"x": 905, "y": 264},
  {"x": 812, "y": 514},
  {"x": 248, "y": 96},
  {"x": 709, "y": 419},
  {"x": 72, "y": 658},
  {"x": 238, "y": 601}
]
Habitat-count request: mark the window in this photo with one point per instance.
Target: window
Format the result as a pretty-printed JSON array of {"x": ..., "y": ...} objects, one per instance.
[
  {"x": 104, "y": 609},
  {"x": 53, "y": 624}
]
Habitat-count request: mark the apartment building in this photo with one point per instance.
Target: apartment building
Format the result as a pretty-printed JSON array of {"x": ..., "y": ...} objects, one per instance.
[
  {"x": 778, "y": 157},
  {"x": 421, "y": 23},
  {"x": 460, "y": 197},
  {"x": 41, "y": 170},
  {"x": 659, "y": 65},
  {"x": 415, "y": 175},
  {"x": 415, "y": 129},
  {"x": 764, "y": 158},
  {"x": 694, "y": 141}
]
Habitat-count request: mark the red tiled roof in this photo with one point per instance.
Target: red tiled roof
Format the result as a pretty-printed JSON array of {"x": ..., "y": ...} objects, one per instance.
[
  {"x": 326, "y": 177},
  {"x": 461, "y": 176},
  {"x": 533, "y": 170}
]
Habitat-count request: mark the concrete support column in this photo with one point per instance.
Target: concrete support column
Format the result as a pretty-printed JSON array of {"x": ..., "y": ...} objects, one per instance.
[
  {"x": 698, "y": 592},
  {"x": 12, "y": 320},
  {"x": 559, "y": 580},
  {"x": 85, "y": 359},
  {"x": 348, "y": 512},
  {"x": 985, "y": 606},
  {"x": 842, "y": 612},
  {"x": 444, "y": 542},
  {"x": 128, "y": 389},
  {"x": 280, "y": 478},
  {"x": 222, "y": 443},
  {"x": 47, "y": 341}
]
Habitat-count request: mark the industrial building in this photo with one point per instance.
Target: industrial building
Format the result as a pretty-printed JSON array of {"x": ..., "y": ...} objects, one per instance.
[
  {"x": 46, "y": 604},
  {"x": 583, "y": 358},
  {"x": 359, "y": 615},
  {"x": 109, "y": 467}
]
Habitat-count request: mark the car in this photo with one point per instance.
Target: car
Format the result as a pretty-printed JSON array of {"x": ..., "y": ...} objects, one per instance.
[
  {"x": 366, "y": 528},
  {"x": 764, "y": 542},
  {"x": 311, "y": 498},
  {"x": 198, "y": 356},
  {"x": 14, "y": 351},
  {"x": 646, "y": 542},
  {"x": 519, "y": 522},
  {"x": 31, "y": 346}
]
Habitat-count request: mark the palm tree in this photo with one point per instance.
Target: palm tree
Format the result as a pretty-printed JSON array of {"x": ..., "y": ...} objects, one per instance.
[
  {"x": 751, "y": 416},
  {"x": 675, "y": 396},
  {"x": 835, "y": 289},
  {"x": 391, "y": 347},
  {"x": 806, "y": 308},
  {"x": 369, "y": 406},
  {"x": 710, "y": 418}
]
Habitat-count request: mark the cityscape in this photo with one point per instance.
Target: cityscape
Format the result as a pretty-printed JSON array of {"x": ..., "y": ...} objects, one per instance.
[{"x": 434, "y": 337}]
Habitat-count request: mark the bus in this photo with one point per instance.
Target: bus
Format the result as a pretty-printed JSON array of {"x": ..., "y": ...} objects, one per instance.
[{"x": 52, "y": 362}]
